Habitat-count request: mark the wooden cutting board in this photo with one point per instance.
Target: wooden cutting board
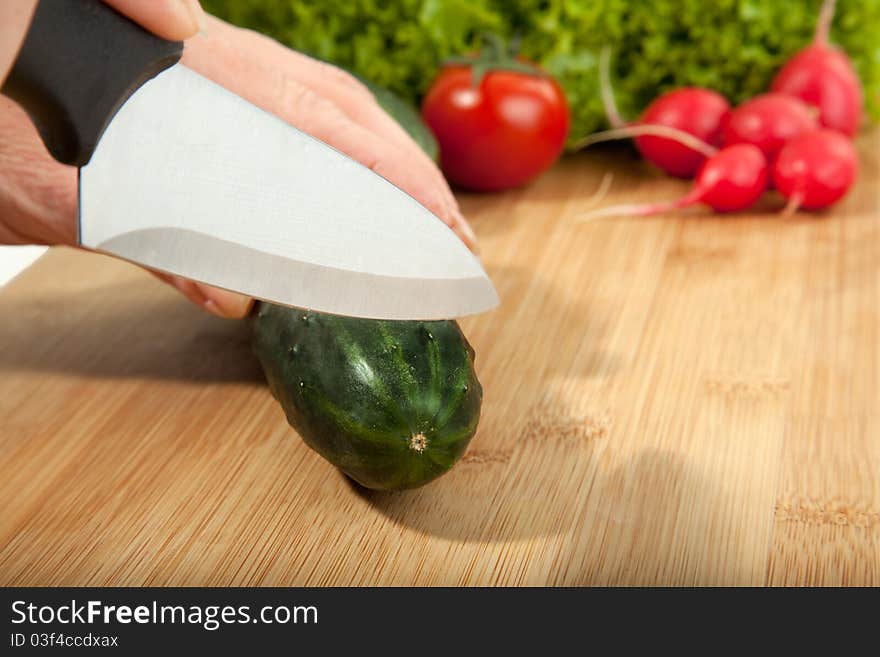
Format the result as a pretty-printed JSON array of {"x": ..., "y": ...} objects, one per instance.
[{"x": 673, "y": 400}]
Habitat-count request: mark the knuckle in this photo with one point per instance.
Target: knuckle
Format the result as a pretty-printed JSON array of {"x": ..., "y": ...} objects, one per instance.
[
  {"x": 304, "y": 108},
  {"x": 344, "y": 78}
]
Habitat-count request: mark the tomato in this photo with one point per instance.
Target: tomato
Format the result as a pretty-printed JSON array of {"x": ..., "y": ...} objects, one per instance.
[{"x": 500, "y": 133}]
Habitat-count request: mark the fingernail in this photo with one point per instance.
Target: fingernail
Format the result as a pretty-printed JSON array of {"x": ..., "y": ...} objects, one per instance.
[
  {"x": 212, "y": 308},
  {"x": 467, "y": 230},
  {"x": 188, "y": 289},
  {"x": 466, "y": 227},
  {"x": 226, "y": 304}
]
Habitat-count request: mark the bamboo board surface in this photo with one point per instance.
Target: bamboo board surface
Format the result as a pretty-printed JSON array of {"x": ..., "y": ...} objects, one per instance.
[{"x": 675, "y": 400}]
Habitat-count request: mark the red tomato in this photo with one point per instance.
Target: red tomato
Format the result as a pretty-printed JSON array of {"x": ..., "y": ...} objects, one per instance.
[{"x": 499, "y": 134}]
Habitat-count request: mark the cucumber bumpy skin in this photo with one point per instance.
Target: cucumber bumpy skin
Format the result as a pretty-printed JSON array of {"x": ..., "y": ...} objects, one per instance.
[{"x": 393, "y": 404}]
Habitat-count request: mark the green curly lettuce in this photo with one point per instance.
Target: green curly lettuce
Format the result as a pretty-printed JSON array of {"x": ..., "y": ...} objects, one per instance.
[{"x": 732, "y": 46}]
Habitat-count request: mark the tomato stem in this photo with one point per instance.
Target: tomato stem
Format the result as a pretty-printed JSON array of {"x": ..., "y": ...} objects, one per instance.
[{"x": 495, "y": 55}]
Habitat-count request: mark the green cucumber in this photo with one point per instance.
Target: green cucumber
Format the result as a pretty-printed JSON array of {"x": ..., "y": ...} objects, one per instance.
[
  {"x": 407, "y": 116},
  {"x": 393, "y": 404}
]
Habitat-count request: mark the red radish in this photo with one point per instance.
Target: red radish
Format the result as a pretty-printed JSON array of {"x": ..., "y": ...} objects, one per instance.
[
  {"x": 687, "y": 111},
  {"x": 822, "y": 75},
  {"x": 700, "y": 112},
  {"x": 731, "y": 180},
  {"x": 768, "y": 121},
  {"x": 815, "y": 170}
]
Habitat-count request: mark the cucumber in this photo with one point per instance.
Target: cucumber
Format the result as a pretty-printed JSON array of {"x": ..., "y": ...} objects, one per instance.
[
  {"x": 393, "y": 404},
  {"x": 407, "y": 116}
]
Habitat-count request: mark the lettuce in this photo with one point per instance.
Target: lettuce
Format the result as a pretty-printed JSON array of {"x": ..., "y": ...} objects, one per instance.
[{"x": 732, "y": 46}]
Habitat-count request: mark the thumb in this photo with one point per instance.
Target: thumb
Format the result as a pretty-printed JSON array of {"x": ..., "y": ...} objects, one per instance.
[{"x": 174, "y": 20}]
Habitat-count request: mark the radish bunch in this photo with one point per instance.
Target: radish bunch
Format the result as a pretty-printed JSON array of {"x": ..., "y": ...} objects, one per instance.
[{"x": 795, "y": 138}]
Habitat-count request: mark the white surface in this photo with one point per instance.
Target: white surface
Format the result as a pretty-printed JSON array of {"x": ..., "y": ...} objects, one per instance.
[{"x": 14, "y": 259}]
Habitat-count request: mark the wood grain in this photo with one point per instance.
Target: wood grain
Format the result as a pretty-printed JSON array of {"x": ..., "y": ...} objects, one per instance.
[{"x": 678, "y": 400}]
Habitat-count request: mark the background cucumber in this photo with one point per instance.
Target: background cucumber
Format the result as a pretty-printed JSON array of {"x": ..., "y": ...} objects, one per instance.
[
  {"x": 407, "y": 116},
  {"x": 393, "y": 404}
]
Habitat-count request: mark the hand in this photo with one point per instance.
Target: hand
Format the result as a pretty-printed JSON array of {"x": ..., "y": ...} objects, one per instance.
[{"x": 38, "y": 196}]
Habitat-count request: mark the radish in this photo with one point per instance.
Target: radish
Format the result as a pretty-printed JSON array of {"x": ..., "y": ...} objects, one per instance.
[
  {"x": 815, "y": 169},
  {"x": 661, "y": 134},
  {"x": 822, "y": 75},
  {"x": 732, "y": 179},
  {"x": 697, "y": 111},
  {"x": 768, "y": 121}
]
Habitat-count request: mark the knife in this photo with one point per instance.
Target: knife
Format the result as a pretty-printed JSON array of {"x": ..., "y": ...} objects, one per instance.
[{"x": 179, "y": 174}]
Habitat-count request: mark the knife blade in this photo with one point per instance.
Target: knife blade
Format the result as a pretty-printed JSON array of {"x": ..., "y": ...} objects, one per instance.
[{"x": 188, "y": 178}]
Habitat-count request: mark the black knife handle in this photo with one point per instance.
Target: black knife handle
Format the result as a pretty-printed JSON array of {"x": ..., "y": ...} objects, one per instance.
[{"x": 80, "y": 61}]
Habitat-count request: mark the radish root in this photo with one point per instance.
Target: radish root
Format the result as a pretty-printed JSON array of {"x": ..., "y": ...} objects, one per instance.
[
  {"x": 682, "y": 137},
  {"x": 793, "y": 205},
  {"x": 606, "y": 90},
  {"x": 627, "y": 210},
  {"x": 642, "y": 209},
  {"x": 602, "y": 190},
  {"x": 823, "y": 25}
]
